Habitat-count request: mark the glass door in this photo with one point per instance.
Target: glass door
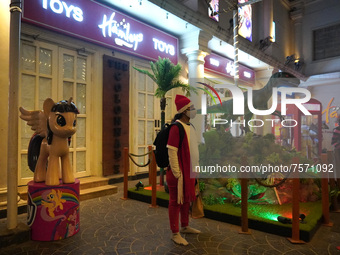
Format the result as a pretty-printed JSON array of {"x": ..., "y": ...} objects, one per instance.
[
  {"x": 51, "y": 71},
  {"x": 74, "y": 77},
  {"x": 148, "y": 114},
  {"x": 38, "y": 82}
]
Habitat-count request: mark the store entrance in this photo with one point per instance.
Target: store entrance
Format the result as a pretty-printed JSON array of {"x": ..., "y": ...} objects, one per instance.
[{"x": 48, "y": 70}]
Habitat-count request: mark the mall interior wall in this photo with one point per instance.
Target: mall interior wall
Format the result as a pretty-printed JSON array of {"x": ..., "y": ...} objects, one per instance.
[
  {"x": 284, "y": 36},
  {"x": 321, "y": 14}
]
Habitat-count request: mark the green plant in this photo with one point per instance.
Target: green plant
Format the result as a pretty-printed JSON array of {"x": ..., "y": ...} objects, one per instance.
[
  {"x": 334, "y": 192},
  {"x": 201, "y": 186},
  {"x": 166, "y": 76},
  {"x": 273, "y": 158},
  {"x": 211, "y": 200},
  {"x": 231, "y": 183},
  {"x": 220, "y": 200}
]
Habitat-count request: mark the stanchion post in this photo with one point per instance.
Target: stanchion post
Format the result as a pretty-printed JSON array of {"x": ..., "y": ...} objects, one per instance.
[
  {"x": 325, "y": 193},
  {"x": 150, "y": 165},
  {"x": 296, "y": 205},
  {"x": 332, "y": 184},
  {"x": 153, "y": 180},
  {"x": 126, "y": 171},
  {"x": 244, "y": 201}
]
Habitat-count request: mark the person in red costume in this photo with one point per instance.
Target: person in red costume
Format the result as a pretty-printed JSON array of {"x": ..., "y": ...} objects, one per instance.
[{"x": 181, "y": 158}]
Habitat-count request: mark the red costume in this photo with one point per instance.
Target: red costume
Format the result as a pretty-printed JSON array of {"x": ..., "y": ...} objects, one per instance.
[{"x": 175, "y": 176}]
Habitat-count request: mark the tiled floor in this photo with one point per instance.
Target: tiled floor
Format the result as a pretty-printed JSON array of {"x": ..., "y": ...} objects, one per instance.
[{"x": 109, "y": 225}]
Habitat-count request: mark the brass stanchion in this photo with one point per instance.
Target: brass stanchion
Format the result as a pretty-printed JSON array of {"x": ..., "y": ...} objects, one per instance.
[
  {"x": 296, "y": 206},
  {"x": 244, "y": 201},
  {"x": 126, "y": 171},
  {"x": 325, "y": 193},
  {"x": 153, "y": 180},
  {"x": 150, "y": 165}
]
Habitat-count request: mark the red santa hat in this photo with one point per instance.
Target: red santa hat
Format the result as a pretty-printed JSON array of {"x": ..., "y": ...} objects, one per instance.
[{"x": 182, "y": 103}]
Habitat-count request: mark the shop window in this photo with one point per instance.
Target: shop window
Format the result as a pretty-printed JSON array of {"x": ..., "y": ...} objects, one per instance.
[
  {"x": 45, "y": 61},
  {"x": 326, "y": 42}
]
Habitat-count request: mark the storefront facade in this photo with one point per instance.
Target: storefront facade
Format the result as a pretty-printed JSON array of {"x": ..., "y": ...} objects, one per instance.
[
  {"x": 87, "y": 50},
  {"x": 113, "y": 98},
  {"x": 68, "y": 46}
]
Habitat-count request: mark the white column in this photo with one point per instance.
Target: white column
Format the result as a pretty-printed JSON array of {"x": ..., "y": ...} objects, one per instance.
[
  {"x": 12, "y": 157},
  {"x": 298, "y": 37},
  {"x": 4, "y": 80},
  {"x": 195, "y": 47},
  {"x": 196, "y": 73},
  {"x": 196, "y": 64}
]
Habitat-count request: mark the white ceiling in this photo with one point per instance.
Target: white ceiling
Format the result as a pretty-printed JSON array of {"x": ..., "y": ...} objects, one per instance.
[{"x": 160, "y": 18}]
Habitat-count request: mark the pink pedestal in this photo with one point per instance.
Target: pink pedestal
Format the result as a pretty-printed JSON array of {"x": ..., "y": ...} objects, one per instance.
[{"x": 53, "y": 211}]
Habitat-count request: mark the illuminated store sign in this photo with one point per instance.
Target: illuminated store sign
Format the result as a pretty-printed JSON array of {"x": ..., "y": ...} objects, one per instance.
[
  {"x": 120, "y": 31},
  {"x": 214, "y": 62},
  {"x": 97, "y": 23},
  {"x": 61, "y": 7},
  {"x": 224, "y": 66}
]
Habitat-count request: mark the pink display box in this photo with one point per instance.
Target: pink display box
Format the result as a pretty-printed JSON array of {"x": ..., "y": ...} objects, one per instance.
[{"x": 53, "y": 211}]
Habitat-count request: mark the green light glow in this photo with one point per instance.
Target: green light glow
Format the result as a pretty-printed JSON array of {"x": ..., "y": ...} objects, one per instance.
[{"x": 268, "y": 216}]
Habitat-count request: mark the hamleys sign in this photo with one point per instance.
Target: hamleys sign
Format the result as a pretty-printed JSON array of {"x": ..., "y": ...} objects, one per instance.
[{"x": 97, "y": 23}]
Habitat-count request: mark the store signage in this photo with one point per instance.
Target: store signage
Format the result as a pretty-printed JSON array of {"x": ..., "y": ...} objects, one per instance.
[
  {"x": 331, "y": 111},
  {"x": 120, "y": 32},
  {"x": 61, "y": 7},
  {"x": 97, "y": 23},
  {"x": 225, "y": 67},
  {"x": 115, "y": 113}
]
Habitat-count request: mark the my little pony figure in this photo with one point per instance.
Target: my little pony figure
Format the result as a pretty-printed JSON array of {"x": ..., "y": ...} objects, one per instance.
[
  {"x": 53, "y": 128},
  {"x": 52, "y": 201}
]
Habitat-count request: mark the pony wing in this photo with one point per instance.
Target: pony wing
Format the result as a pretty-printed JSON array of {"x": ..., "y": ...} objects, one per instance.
[{"x": 36, "y": 119}]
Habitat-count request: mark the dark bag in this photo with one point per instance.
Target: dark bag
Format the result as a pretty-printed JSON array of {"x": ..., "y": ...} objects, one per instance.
[{"x": 161, "y": 151}]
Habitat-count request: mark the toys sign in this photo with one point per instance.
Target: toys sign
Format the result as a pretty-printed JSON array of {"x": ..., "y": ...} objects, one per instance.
[
  {"x": 61, "y": 7},
  {"x": 97, "y": 23}
]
